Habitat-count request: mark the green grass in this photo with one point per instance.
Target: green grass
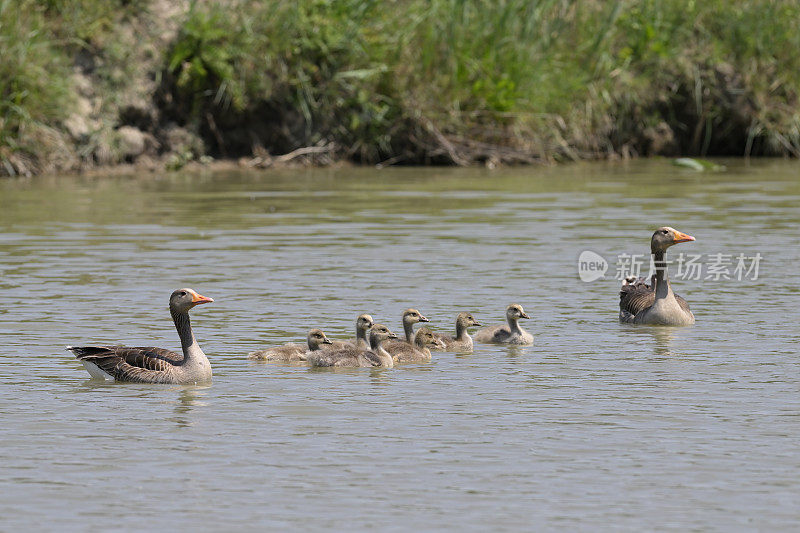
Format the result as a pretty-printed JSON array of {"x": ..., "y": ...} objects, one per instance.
[
  {"x": 34, "y": 86},
  {"x": 437, "y": 81}
]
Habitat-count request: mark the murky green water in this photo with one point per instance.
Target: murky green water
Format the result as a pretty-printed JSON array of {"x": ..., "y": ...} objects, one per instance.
[{"x": 598, "y": 425}]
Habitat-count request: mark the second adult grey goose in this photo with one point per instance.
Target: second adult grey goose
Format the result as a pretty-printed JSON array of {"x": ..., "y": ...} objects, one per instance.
[
  {"x": 357, "y": 357},
  {"x": 656, "y": 304},
  {"x": 291, "y": 352},
  {"x": 149, "y": 364},
  {"x": 511, "y": 333}
]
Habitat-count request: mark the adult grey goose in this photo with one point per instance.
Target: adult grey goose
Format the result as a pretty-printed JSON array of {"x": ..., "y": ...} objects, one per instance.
[
  {"x": 149, "y": 364},
  {"x": 656, "y": 304}
]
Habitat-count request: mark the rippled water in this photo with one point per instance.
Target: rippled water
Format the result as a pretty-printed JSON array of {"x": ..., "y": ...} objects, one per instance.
[{"x": 598, "y": 425}]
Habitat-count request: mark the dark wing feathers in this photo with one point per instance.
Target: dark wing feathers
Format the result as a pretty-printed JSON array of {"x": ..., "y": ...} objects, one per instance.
[
  {"x": 124, "y": 363},
  {"x": 156, "y": 353},
  {"x": 637, "y": 296}
]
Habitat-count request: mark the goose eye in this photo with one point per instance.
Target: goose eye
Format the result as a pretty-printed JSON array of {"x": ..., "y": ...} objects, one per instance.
[{"x": 183, "y": 293}]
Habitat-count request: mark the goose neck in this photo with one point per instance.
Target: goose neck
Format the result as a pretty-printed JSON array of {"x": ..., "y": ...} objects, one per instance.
[
  {"x": 184, "y": 327},
  {"x": 408, "y": 327},
  {"x": 513, "y": 324},
  {"x": 662, "y": 288},
  {"x": 461, "y": 331}
]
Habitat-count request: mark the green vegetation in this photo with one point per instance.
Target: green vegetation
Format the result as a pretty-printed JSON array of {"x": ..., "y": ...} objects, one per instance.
[
  {"x": 406, "y": 82},
  {"x": 34, "y": 86}
]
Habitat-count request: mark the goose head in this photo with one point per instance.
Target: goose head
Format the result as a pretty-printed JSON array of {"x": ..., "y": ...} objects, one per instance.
[
  {"x": 378, "y": 334},
  {"x": 466, "y": 320},
  {"x": 364, "y": 322},
  {"x": 515, "y": 312},
  {"x": 665, "y": 237},
  {"x": 412, "y": 316},
  {"x": 181, "y": 300},
  {"x": 426, "y": 339},
  {"x": 315, "y": 338}
]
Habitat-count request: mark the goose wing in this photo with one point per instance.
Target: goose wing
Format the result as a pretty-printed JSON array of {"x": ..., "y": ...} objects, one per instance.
[
  {"x": 635, "y": 297},
  {"x": 638, "y": 295},
  {"x": 125, "y": 363}
]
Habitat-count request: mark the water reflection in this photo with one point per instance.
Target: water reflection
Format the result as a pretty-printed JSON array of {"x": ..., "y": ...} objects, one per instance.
[
  {"x": 90, "y": 384},
  {"x": 188, "y": 400},
  {"x": 517, "y": 351},
  {"x": 663, "y": 337}
]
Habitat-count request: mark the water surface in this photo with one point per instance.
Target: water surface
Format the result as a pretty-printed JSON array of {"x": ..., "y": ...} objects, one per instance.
[{"x": 598, "y": 425}]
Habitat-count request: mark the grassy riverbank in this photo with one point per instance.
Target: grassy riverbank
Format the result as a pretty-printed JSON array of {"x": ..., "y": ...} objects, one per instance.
[{"x": 157, "y": 83}]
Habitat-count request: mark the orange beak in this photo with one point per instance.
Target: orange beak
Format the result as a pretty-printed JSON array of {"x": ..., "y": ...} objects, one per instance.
[
  {"x": 682, "y": 237},
  {"x": 198, "y": 299}
]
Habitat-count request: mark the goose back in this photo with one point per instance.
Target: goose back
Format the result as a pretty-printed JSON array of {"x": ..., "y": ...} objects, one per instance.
[{"x": 636, "y": 296}]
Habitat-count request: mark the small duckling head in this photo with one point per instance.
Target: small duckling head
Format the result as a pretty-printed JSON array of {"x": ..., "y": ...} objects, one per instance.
[
  {"x": 466, "y": 320},
  {"x": 378, "y": 334},
  {"x": 316, "y": 338},
  {"x": 515, "y": 312},
  {"x": 665, "y": 237},
  {"x": 413, "y": 316},
  {"x": 181, "y": 300},
  {"x": 364, "y": 322},
  {"x": 426, "y": 339}
]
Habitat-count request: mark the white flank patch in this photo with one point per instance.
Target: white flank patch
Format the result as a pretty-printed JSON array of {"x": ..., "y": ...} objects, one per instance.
[{"x": 96, "y": 372}]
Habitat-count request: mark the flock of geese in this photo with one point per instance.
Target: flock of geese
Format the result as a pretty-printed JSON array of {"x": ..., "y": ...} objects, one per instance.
[{"x": 375, "y": 345}]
